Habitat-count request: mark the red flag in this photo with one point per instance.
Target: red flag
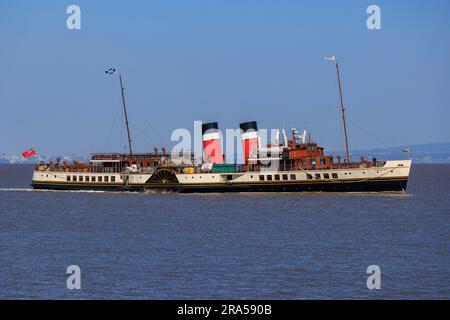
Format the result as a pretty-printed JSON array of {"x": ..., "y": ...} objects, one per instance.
[{"x": 29, "y": 153}]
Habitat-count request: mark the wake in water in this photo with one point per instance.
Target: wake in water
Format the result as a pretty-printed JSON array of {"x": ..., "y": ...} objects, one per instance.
[
  {"x": 247, "y": 194},
  {"x": 16, "y": 189},
  {"x": 147, "y": 191},
  {"x": 47, "y": 190},
  {"x": 154, "y": 191}
]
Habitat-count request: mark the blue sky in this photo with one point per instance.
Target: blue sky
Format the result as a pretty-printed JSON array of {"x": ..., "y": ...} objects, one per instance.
[{"x": 225, "y": 61}]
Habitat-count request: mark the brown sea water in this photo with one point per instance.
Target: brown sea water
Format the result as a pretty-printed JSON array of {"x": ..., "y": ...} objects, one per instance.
[{"x": 225, "y": 246}]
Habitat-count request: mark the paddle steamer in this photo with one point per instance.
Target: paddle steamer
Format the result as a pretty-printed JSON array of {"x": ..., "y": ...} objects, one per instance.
[{"x": 291, "y": 164}]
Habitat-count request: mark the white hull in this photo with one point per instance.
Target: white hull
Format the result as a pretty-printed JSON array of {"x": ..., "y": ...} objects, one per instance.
[{"x": 302, "y": 180}]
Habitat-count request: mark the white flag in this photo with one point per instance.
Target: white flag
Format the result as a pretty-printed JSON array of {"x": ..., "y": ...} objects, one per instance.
[{"x": 330, "y": 58}]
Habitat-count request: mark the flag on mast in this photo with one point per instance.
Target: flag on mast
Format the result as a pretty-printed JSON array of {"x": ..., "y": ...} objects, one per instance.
[
  {"x": 111, "y": 70},
  {"x": 29, "y": 153},
  {"x": 330, "y": 58}
]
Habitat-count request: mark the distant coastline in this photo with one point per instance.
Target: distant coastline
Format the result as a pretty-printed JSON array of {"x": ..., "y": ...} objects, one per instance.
[{"x": 420, "y": 153}]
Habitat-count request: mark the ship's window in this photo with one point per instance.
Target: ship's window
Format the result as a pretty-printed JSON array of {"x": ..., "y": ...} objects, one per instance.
[
  {"x": 93, "y": 179},
  {"x": 293, "y": 177},
  {"x": 74, "y": 178},
  {"x": 269, "y": 177},
  {"x": 285, "y": 176},
  {"x": 261, "y": 177},
  {"x": 308, "y": 176},
  {"x": 99, "y": 179},
  {"x": 80, "y": 178},
  {"x": 68, "y": 178},
  {"x": 334, "y": 175},
  {"x": 277, "y": 177},
  {"x": 400, "y": 165},
  {"x": 317, "y": 176},
  {"x": 229, "y": 177},
  {"x": 251, "y": 177},
  {"x": 86, "y": 178},
  {"x": 106, "y": 178},
  {"x": 326, "y": 176},
  {"x": 113, "y": 179}
]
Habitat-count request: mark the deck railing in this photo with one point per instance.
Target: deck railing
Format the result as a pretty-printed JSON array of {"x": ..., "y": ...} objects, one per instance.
[{"x": 282, "y": 167}]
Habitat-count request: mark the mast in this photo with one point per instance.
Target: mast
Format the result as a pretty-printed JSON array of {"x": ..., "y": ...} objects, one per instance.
[
  {"x": 126, "y": 115},
  {"x": 347, "y": 159}
]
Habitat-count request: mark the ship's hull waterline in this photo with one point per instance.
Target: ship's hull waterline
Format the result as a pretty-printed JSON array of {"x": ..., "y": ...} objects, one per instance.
[
  {"x": 353, "y": 186},
  {"x": 391, "y": 177}
]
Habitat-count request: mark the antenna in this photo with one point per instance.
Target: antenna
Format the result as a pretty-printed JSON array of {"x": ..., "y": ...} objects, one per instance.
[{"x": 285, "y": 140}]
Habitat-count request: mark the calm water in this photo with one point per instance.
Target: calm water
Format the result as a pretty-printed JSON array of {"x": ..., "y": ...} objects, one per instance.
[{"x": 225, "y": 246}]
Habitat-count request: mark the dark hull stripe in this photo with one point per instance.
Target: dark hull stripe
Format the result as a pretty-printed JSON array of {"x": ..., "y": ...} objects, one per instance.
[
  {"x": 78, "y": 187},
  {"x": 372, "y": 186},
  {"x": 354, "y": 186},
  {"x": 269, "y": 183}
]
